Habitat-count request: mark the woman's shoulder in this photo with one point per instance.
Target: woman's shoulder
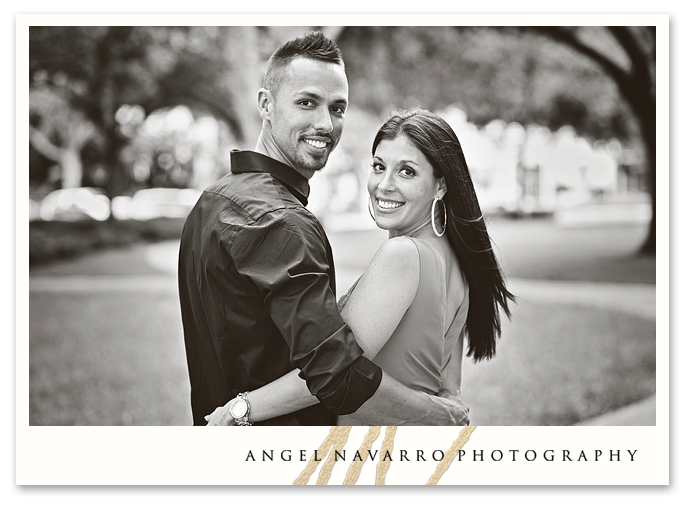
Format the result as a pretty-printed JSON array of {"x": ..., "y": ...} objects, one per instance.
[
  {"x": 395, "y": 266},
  {"x": 399, "y": 251}
]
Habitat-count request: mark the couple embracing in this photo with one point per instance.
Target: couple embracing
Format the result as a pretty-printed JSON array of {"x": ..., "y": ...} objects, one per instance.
[{"x": 266, "y": 341}]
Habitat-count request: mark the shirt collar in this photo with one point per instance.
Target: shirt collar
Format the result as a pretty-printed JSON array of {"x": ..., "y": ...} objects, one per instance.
[{"x": 251, "y": 161}]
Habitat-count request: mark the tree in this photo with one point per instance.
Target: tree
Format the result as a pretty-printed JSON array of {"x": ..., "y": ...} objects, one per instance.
[
  {"x": 634, "y": 73},
  {"x": 97, "y": 70},
  {"x": 94, "y": 70},
  {"x": 59, "y": 133},
  {"x": 599, "y": 78}
]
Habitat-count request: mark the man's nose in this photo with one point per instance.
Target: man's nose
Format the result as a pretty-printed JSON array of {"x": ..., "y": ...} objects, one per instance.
[{"x": 324, "y": 121}]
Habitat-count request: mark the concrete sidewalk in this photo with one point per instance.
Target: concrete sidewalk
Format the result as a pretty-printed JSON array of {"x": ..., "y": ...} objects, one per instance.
[{"x": 639, "y": 413}]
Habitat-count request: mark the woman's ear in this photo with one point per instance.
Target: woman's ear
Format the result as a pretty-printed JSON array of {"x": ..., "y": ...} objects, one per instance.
[
  {"x": 441, "y": 188},
  {"x": 264, "y": 103}
]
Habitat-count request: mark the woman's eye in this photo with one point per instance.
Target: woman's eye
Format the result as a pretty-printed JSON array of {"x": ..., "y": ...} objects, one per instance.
[
  {"x": 377, "y": 167},
  {"x": 407, "y": 172}
]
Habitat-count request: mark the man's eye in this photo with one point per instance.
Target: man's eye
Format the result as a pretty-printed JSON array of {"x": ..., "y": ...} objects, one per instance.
[
  {"x": 307, "y": 103},
  {"x": 339, "y": 110}
]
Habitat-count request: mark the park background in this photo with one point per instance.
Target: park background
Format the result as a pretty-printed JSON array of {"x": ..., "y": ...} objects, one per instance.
[{"x": 554, "y": 126}]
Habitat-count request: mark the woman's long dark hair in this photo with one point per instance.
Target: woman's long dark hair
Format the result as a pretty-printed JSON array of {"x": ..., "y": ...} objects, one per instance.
[{"x": 466, "y": 229}]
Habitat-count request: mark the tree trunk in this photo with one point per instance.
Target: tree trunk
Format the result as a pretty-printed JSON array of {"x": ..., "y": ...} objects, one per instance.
[
  {"x": 244, "y": 79},
  {"x": 71, "y": 165},
  {"x": 647, "y": 120}
]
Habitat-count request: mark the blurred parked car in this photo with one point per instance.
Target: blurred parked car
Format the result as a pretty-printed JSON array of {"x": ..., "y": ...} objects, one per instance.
[
  {"x": 155, "y": 203},
  {"x": 75, "y": 204},
  {"x": 34, "y": 210}
]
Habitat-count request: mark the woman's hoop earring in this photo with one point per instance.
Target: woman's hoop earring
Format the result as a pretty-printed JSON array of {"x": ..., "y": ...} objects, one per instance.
[
  {"x": 370, "y": 209},
  {"x": 444, "y": 225}
]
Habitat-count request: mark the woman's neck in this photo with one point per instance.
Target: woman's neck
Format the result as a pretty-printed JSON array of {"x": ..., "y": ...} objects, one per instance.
[{"x": 422, "y": 231}]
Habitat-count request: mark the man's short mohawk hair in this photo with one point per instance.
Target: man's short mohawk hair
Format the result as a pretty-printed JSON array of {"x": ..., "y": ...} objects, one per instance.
[{"x": 313, "y": 45}]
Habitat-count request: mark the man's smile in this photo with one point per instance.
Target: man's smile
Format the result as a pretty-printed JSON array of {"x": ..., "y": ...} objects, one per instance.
[{"x": 316, "y": 144}]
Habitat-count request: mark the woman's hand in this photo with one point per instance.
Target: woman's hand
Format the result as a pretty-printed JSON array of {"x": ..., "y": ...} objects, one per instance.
[{"x": 220, "y": 416}]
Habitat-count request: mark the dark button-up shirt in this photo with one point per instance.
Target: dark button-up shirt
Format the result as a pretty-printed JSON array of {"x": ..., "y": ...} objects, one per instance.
[{"x": 256, "y": 282}]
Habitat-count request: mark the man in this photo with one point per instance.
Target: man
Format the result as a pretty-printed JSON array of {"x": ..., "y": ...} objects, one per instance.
[{"x": 256, "y": 274}]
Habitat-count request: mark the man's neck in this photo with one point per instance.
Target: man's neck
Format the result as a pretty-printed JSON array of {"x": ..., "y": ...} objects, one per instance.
[{"x": 266, "y": 146}]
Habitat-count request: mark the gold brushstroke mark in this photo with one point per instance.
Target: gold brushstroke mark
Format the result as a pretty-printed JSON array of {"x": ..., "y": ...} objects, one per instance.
[
  {"x": 383, "y": 465},
  {"x": 354, "y": 471},
  {"x": 340, "y": 438},
  {"x": 444, "y": 464},
  {"x": 337, "y": 437}
]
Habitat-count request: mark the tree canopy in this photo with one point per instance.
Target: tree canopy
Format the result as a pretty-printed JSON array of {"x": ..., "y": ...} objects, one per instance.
[{"x": 600, "y": 80}]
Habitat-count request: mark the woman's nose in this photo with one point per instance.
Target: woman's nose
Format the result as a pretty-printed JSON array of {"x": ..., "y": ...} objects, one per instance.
[{"x": 386, "y": 183}]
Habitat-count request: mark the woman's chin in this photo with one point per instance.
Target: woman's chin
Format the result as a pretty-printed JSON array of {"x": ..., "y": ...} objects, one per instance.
[{"x": 382, "y": 224}]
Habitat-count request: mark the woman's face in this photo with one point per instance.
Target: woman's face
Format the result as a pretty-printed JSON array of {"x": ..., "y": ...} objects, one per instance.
[{"x": 402, "y": 187}]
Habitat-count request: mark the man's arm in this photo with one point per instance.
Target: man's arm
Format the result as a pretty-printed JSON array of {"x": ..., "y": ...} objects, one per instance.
[
  {"x": 393, "y": 403},
  {"x": 396, "y": 404},
  {"x": 374, "y": 310},
  {"x": 285, "y": 254}
]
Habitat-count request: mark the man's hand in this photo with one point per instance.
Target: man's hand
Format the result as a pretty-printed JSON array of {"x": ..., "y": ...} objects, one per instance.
[
  {"x": 395, "y": 404},
  {"x": 458, "y": 410},
  {"x": 220, "y": 416}
]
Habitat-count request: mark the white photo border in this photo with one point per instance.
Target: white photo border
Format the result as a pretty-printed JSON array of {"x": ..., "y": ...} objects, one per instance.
[{"x": 189, "y": 456}]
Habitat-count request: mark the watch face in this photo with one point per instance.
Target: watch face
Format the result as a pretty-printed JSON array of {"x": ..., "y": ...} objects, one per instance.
[{"x": 239, "y": 408}]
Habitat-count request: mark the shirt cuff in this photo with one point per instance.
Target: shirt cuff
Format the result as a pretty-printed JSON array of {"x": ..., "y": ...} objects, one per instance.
[
  {"x": 337, "y": 373},
  {"x": 357, "y": 384}
]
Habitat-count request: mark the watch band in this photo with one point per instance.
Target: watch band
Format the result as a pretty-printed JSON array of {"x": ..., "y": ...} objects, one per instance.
[{"x": 241, "y": 418}]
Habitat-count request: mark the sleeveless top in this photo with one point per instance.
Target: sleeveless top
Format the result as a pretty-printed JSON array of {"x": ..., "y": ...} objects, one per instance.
[{"x": 422, "y": 344}]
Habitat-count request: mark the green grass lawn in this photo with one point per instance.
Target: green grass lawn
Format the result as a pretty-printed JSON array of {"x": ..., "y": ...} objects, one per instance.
[
  {"x": 539, "y": 249},
  {"x": 55, "y": 240},
  {"x": 117, "y": 358},
  {"x": 558, "y": 364},
  {"x": 107, "y": 359}
]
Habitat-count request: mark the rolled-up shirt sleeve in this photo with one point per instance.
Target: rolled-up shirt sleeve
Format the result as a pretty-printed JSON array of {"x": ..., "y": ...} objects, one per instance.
[{"x": 285, "y": 255}]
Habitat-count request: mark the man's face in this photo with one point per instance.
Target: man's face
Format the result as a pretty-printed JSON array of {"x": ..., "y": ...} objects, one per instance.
[{"x": 306, "y": 113}]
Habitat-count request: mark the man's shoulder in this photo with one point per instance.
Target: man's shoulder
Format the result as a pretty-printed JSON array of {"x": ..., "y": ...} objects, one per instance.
[
  {"x": 262, "y": 198},
  {"x": 255, "y": 192}
]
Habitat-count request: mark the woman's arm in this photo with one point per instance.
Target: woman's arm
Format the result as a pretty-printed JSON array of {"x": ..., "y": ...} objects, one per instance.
[
  {"x": 373, "y": 311},
  {"x": 383, "y": 295}
]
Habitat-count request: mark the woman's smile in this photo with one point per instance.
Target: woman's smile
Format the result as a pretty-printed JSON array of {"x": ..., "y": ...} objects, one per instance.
[
  {"x": 402, "y": 187},
  {"x": 388, "y": 204}
]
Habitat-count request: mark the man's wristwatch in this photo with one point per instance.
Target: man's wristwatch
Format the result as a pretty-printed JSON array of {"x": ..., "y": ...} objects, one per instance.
[{"x": 240, "y": 409}]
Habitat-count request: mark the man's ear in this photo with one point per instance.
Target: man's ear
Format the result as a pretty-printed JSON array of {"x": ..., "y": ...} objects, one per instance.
[{"x": 264, "y": 103}]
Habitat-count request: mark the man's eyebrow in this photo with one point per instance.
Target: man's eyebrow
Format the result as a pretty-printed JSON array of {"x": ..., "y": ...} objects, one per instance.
[
  {"x": 309, "y": 94},
  {"x": 316, "y": 96}
]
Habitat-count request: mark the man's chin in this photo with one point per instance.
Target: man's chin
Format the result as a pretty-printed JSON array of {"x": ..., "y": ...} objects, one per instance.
[{"x": 314, "y": 164}]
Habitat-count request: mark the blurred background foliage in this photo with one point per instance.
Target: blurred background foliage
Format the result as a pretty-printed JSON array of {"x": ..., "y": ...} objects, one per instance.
[
  {"x": 124, "y": 109},
  {"x": 129, "y": 124}
]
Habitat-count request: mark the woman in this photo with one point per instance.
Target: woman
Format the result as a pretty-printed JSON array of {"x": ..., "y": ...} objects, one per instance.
[{"x": 433, "y": 282}]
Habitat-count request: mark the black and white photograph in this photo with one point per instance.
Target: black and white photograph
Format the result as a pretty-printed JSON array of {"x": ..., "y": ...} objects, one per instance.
[{"x": 343, "y": 231}]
